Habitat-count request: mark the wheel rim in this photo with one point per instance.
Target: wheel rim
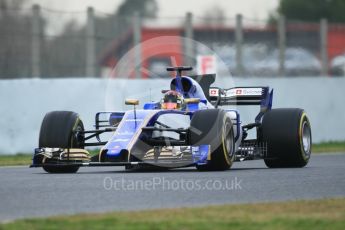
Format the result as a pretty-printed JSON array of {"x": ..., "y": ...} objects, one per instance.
[
  {"x": 306, "y": 137},
  {"x": 78, "y": 137},
  {"x": 228, "y": 140}
]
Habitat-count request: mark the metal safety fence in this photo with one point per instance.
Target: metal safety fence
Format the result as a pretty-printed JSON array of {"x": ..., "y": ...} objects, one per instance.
[{"x": 45, "y": 43}]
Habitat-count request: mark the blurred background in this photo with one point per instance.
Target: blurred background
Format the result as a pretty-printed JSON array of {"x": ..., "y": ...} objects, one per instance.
[
  {"x": 61, "y": 54},
  {"x": 59, "y": 39}
]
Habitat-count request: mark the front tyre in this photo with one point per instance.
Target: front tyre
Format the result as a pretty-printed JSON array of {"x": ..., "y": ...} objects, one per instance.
[
  {"x": 60, "y": 129},
  {"x": 287, "y": 133},
  {"x": 214, "y": 128}
]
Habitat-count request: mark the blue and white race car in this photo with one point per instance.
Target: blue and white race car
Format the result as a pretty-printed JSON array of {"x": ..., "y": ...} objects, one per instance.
[{"x": 186, "y": 128}]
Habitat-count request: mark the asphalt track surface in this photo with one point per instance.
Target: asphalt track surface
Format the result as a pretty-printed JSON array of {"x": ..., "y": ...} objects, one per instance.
[{"x": 26, "y": 192}]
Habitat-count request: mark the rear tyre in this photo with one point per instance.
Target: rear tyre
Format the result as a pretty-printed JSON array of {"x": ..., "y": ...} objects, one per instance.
[
  {"x": 214, "y": 128},
  {"x": 287, "y": 133},
  {"x": 59, "y": 129}
]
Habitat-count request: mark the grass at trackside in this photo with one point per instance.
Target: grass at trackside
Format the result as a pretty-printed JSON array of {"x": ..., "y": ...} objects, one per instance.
[
  {"x": 25, "y": 159},
  {"x": 333, "y": 146},
  {"x": 18, "y": 159},
  {"x": 316, "y": 214}
]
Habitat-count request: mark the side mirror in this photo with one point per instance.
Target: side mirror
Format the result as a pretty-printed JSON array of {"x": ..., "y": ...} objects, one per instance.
[
  {"x": 192, "y": 100},
  {"x": 132, "y": 102}
]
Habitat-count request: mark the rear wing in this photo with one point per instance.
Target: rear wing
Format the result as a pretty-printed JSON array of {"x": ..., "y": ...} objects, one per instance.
[
  {"x": 239, "y": 95},
  {"x": 262, "y": 96}
]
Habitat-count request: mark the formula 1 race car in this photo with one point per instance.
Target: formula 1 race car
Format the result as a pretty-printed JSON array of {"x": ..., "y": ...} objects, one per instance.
[{"x": 186, "y": 128}]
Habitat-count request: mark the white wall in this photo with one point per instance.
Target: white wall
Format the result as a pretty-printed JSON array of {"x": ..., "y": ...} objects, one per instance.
[{"x": 23, "y": 103}]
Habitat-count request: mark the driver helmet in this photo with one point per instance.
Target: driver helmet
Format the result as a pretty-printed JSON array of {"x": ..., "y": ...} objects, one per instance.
[{"x": 172, "y": 100}]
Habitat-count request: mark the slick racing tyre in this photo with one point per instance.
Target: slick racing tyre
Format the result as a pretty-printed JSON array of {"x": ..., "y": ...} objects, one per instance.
[
  {"x": 213, "y": 127},
  {"x": 58, "y": 131},
  {"x": 287, "y": 133}
]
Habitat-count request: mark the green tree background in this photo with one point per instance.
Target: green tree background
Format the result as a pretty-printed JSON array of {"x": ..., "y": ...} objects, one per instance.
[{"x": 311, "y": 10}]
